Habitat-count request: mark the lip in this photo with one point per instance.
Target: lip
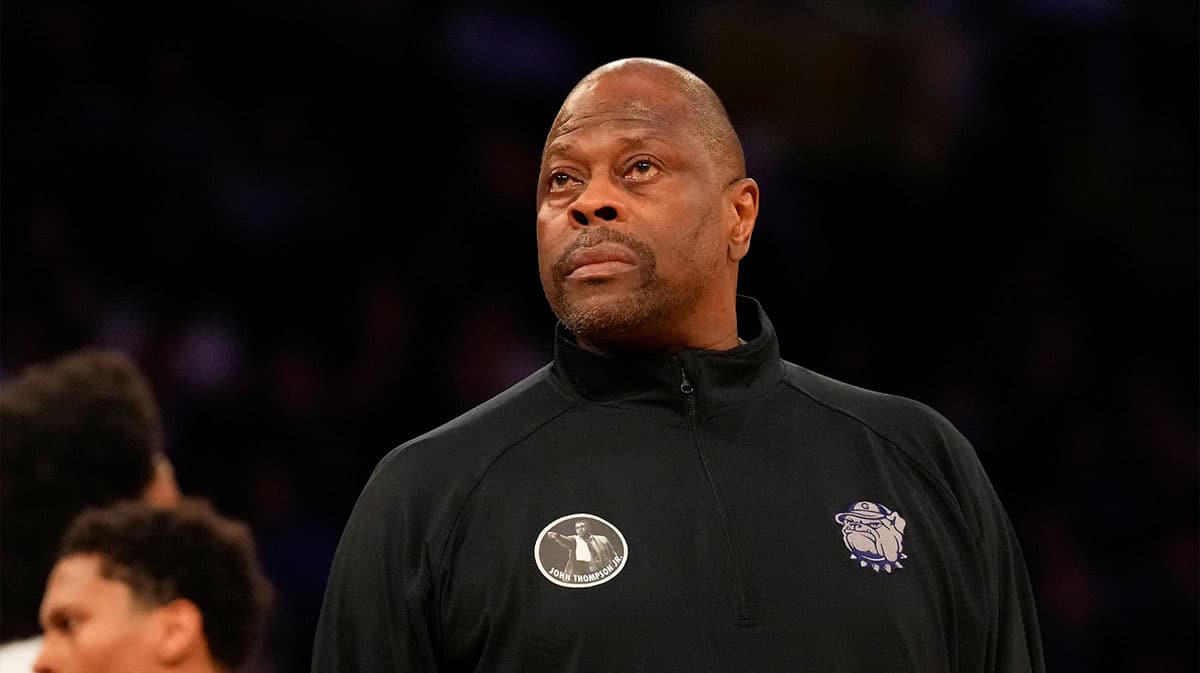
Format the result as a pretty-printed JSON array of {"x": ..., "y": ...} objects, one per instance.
[{"x": 603, "y": 259}]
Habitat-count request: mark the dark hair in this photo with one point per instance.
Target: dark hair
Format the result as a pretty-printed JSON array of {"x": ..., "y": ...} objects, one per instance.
[
  {"x": 188, "y": 552},
  {"x": 81, "y": 430}
]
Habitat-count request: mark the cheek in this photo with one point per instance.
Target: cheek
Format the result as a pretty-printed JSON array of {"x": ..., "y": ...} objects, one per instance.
[
  {"x": 136, "y": 654},
  {"x": 115, "y": 648},
  {"x": 697, "y": 251},
  {"x": 551, "y": 244},
  {"x": 549, "y": 247},
  {"x": 704, "y": 234}
]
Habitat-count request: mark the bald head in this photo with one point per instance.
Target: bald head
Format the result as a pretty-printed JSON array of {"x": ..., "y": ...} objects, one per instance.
[
  {"x": 652, "y": 88},
  {"x": 644, "y": 211}
]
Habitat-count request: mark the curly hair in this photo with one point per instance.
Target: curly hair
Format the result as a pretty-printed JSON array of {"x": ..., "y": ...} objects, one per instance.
[
  {"x": 189, "y": 552},
  {"x": 78, "y": 431}
]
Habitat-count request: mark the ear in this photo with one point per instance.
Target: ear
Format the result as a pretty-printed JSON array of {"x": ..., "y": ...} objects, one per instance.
[
  {"x": 180, "y": 632},
  {"x": 743, "y": 196},
  {"x": 163, "y": 490}
]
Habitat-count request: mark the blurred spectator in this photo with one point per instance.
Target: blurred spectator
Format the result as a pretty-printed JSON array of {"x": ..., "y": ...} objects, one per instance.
[
  {"x": 82, "y": 430},
  {"x": 137, "y": 588}
]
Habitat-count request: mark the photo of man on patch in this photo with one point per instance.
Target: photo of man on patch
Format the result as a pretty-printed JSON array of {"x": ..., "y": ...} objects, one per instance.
[{"x": 588, "y": 553}]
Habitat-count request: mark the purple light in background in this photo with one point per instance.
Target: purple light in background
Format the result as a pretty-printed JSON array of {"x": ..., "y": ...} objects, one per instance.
[
  {"x": 207, "y": 357},
  {"x": 1084, "y": 11},
  {"x": 507, "y": 50}
]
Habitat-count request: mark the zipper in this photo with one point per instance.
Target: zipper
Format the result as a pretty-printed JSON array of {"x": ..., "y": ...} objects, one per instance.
[{"x": 745, "y": 607}]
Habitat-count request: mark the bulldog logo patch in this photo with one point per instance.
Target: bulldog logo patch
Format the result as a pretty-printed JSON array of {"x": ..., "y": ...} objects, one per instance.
[
  {"x": 874, "y": 535},
  {"x": 580, "y": 550}
]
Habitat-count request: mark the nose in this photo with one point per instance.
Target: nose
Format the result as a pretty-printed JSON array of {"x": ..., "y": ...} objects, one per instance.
[
  {"x": 599, "y": 203},
  {"x": 43, "y": 662}
]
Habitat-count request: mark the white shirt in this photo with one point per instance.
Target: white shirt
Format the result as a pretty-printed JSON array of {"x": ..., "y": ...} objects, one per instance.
[{"x": 19, "y": 655}]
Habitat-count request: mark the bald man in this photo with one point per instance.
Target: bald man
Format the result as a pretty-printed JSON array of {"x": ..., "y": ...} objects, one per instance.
[{"x": 668, "y": 424}]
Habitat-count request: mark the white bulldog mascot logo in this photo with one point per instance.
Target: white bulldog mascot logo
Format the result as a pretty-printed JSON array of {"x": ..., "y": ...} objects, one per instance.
[{"x": 874, "y": 535}]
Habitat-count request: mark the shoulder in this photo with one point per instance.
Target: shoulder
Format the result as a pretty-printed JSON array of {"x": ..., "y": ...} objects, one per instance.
[
  {"x": 417, "y": 490},
  {"x": 464, "y": 447},
  {"x": 922, "y": 434},
  {"x": 899, "y": 419}
]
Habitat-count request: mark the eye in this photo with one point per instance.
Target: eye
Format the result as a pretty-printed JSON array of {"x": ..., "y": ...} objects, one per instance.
[
  {"x": 641, "y": 170},
  {"x": 64, "y": 622},
  {"x": 559, "y": 182}
]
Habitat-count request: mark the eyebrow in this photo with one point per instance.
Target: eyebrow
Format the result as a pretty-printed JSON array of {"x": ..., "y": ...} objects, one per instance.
[
  {"x": 626, "y": 141},
  {"x": 54, "y": 617}
]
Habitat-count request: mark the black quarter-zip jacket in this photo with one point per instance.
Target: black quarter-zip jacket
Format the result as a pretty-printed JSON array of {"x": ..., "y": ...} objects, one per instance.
[{"x": 758, "y": 517}]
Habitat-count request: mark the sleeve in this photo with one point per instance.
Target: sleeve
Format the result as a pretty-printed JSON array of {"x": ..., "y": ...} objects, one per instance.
[
  {"x": 379, "y": 605},
  {"x": 1014, "y": 639},
  {"x": 1014, "y": 642}
]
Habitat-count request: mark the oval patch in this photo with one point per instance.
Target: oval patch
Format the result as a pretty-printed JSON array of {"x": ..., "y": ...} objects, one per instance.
[{"x": 579, "y": 551}]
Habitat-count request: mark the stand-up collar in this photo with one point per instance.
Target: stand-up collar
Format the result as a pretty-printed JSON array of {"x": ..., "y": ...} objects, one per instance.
[{"x": 718, "y": 378}]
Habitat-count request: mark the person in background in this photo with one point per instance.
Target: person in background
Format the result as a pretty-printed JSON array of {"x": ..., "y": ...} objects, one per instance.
[
  {"x": 888, "y": 548},
  {"x": 81, "y": 430},
  {"x": 142, "y": 589}
]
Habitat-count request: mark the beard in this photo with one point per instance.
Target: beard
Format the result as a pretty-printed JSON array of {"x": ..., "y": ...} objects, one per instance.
[{"x": 610, "y": 317}]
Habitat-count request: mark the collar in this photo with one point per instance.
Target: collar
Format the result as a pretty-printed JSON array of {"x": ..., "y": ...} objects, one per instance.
[{"x": 718, "y": 379}]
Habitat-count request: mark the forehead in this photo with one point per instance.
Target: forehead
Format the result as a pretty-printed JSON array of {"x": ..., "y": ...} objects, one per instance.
[
  {"x": 631, "y": 105},
  {"x": 76, "y": 582}
]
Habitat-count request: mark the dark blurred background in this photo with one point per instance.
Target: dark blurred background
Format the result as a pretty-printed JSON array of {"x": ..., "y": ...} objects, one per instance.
[{"x": 313, "y": 224}]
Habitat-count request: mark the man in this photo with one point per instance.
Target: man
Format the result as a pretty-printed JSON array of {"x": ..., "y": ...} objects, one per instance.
[
  {"x": 586, "y": 552},
  {"x": 668, "y": 385},
  {"x": 81, "y": 430},
  {"x": 142, "y": 589}
]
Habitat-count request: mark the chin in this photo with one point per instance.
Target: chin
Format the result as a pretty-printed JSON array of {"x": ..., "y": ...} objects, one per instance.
[
  {"x": 610, "y": 309},
  {"x": 602, "y": 317}
]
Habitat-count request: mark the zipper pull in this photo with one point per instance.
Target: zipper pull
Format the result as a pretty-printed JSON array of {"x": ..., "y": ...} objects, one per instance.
[{"x": 686, "y": 386}]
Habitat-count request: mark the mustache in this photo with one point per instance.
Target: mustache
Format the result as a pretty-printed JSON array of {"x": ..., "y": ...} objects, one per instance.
[{"x": 592, "y": 237}]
